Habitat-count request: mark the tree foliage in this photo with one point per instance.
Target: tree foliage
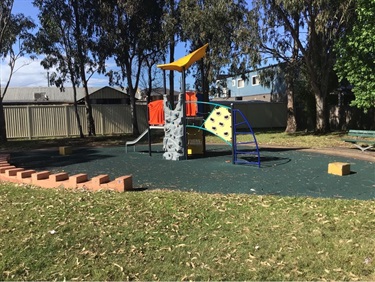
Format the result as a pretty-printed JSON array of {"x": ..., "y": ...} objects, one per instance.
[
  {"x": 130, "y": 33},
  {"x": 15, "y": 37},
  {"x": 276, "y": 42},
  {"x": 15, "y": 40},
  {"x": 314, "y": 26},
  {"x": 65, "y": 37},
  {"x": 228, "y": 28},
  {"x": 356, "y": 55},
  {"x": 172, "y": 31}
]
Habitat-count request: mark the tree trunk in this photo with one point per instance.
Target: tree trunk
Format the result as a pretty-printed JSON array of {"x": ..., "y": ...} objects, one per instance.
[
  {"x": 90, "y": 119},
  {"x": 3, "y": 131},
  {"x": 171, "y": 73},
  {"x": 291, "y": 124},
  {"x": 319, "y": 86},
  {"x": 149, "y": 90},
  {"x": 172, "y": 45},
  {"x": 81, "y": 135},
  {"x": 206, "y": 107},
  {"x": 81, "y": 58},
  {"x": 74, "y": 85},
  {"x": 133, "y": 110},
  {"x": 321, "y": 120}
]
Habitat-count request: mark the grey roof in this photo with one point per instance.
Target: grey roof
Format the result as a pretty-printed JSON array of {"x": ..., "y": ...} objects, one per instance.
[{"x": 46, "y": 94}]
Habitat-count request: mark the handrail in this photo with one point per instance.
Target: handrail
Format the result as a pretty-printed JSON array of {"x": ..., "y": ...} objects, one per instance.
[{"x": 208, "y": 103}]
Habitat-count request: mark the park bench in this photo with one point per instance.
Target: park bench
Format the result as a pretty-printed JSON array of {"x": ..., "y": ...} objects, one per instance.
[{"x": 362, "y": 139}]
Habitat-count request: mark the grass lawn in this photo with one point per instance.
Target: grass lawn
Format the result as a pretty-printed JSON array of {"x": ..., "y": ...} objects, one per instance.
[
  {"x": 52, "y": 234},
  {"x": 164, "y": 235},
  {"x": 277, "y": 137},
  {"x": 298, "y": 139}
]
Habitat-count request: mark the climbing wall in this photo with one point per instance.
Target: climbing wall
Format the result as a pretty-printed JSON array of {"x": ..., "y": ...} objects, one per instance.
[
  {"x": 173, "y": 131},
  {"x": 219, "y": 122}
]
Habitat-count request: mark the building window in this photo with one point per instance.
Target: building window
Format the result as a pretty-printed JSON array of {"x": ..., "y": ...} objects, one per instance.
[
  {"x": 240, "y": 83},
  {"x": 233, "y": 82},
  {"x": 255, "y": 80}
]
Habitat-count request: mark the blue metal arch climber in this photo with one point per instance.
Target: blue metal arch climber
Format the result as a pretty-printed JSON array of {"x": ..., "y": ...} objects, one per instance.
[{"x": 224, "y": 122}]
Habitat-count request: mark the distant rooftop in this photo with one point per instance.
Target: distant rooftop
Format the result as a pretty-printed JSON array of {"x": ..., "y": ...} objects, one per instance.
[{"x": 47, "y": 94}]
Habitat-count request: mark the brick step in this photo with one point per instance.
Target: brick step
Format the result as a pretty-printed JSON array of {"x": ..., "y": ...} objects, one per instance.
[
  {"x": 13, "y": 171},
  {"x": 4, "y": 157},
  {"x": 3, "y": 169},
  {"x": 25, "y": 173},
  {"x": 47, "y": 180}
]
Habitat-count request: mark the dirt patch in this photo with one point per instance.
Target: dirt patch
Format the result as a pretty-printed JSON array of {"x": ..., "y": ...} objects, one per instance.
[
  {"x": 368, "y": 155},
  {"x": 346, "y": 152}
]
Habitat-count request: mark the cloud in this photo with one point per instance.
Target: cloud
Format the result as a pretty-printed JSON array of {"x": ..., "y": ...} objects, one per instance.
[
  {"x": 29, "y": 73},
  {"x": 34, "y": 75}
]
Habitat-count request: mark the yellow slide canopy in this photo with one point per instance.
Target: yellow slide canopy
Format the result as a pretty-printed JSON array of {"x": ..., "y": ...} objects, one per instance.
[{"x": 185, "y": 62}]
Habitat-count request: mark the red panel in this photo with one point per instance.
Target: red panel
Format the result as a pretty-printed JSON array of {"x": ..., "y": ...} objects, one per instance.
[
  {"x": 191, "y": 105},
  {"x": 156, "y": 113}
]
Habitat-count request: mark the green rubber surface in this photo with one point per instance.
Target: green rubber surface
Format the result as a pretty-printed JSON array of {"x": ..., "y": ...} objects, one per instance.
[{"x": 284, "y": 172}]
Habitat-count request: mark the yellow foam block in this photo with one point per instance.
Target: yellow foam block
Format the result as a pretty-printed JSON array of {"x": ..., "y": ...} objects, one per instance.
[
  {"x": 338, "y": 168},
  {"x": 65, "y": 150}
]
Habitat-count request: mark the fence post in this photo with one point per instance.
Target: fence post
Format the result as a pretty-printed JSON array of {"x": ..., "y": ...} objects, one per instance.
[
  {"x": 29, "y": 126},
  {"x": 102, "y": 119},
  {"x": 67, "y": 123}
]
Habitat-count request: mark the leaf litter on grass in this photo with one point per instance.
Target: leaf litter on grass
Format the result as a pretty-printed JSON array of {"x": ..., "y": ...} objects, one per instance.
[{"x": 164, "y": 235}]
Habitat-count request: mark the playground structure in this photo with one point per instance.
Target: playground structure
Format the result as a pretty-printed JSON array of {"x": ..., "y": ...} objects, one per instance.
[
  {"x": 155, "y": 121},
  {"x": 184, "y": 125},
  {"x": 222, "y": 121}
]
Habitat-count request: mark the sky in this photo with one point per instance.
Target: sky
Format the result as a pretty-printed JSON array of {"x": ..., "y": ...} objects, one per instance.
[{"x": 29, "y": 73}]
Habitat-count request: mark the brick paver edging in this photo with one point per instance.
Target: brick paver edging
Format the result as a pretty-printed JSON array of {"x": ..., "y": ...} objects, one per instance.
[{"x": 45, "y": 179}]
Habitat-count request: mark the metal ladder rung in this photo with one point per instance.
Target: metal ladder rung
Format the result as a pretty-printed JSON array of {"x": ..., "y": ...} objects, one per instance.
[
  {"x": 241, "y": 123},
  {"x": 250, "y": 151}
]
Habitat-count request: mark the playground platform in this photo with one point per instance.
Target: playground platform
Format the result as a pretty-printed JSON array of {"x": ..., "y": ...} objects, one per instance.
[{"x": 283, "y": 172}]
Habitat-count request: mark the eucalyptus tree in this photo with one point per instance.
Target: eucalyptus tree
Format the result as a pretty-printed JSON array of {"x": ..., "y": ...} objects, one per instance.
[
  {"x": 356, "y": 55},
  {"x": 130, "y": 32},
  {"x": 15, "y": 35},
  {"x": 313, "y": 28},
  {"x": 66, "y": 38},
  {"x": 149, "y": 77},
  {"x": 172, "y": 31},
  {"x": 277, "y": 43},
  {"x": 228, "y": 27}
]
